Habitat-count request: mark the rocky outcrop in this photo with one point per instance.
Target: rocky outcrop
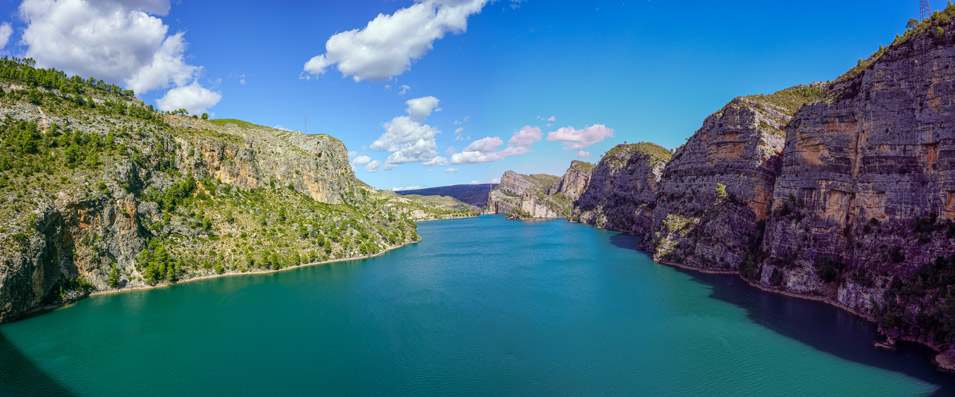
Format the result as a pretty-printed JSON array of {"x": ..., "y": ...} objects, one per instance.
[
  {"x": 866, "y": 193},
  {"x": 622, "y": 191},
  {"x": 575, "y": 180},
  {"x": 717, "y": 190},
  {"x": 526, "y": 196}
]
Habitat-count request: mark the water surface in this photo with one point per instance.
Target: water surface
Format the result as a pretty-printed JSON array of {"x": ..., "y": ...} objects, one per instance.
[{"x": 480, "y": 306}]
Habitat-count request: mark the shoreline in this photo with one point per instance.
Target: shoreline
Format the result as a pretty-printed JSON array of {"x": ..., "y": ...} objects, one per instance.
[
  {"x": 942, "y": 363},
  {"x": 43, "y": 309}
]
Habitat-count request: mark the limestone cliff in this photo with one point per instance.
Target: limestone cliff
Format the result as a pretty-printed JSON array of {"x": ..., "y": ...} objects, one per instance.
[
  {"x": 717, "y": 188},
  {"x": 575, "y": 180},
  {"x": 622, "y": 190},
  {"x": 864, "y": 203},
  {"x": 526, "y": 196}
]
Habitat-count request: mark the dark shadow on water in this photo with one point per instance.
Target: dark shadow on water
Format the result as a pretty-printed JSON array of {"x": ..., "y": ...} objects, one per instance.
[
  {"x": 826, "y": 328},
  {"x": 626, "y": 241},
  {"x": 20, "y": 377}
]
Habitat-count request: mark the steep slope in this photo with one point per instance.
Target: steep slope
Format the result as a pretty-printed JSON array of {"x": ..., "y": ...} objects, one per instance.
[
  {"x": 526, "y": 196},
  {"x": 475, "y": 195},
  {"x": 575, "y": 180},
  {"x": 621, "y": 194},
  {"x": 864, "y": 205},
  {"x": 99, "y": 192},
  {"x": 717, "y": 189}
]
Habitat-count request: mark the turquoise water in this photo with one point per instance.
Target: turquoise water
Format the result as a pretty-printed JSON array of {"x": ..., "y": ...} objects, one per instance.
[{"x": 480, "y": 306}]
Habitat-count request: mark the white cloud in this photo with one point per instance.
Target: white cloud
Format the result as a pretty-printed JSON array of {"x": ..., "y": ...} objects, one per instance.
[
  {"x": 409, "y": 140},
  {"x": 436, "y": 162},
  {"x": 421, "y": 108},
  {"x": 583, "y": 154},
  {"x": 475, "y": 182},
  {"x": 496, "y": 180},
  {"x": 5, "y": 31},
  {"x": 242, "y": 79},
  {"x": 193, "y": 97},
  {"x": 402, "y": 131},
  {"x": 373, "y": 166},
  {"x": 552, "y": 119},
  {"x": 526, "y": 136},
  {"x": 277, "y": 126},
  {"x": 361, "y": 160},
  {"x": 474, "y": 158},
  {"x": 451, "y": 170},
  {"x": 404, "y": 89},
  {"x": 513, "y": 151},
  {"x": 352, "y": 154},
  {"x": 574, "y": 139},
  {"x": 451, "y": 150},
  {"x": 484, "y": 145},
  {"x": 398, "y": 189},
  {"x": 118, "y": 41},
  {"x": 462, "y": 121},
  {"x": 388, "y": 45}
]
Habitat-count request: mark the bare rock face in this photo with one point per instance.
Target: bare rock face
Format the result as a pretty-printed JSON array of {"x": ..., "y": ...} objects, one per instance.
[
  {"x": 868, "y": 176},
  {"x": 526, "y": 196},
  {"x": 575, "y": 180},
  {"x": 251, "y": 157},
  {"x": 622, "y": 191},
  {"x": 717, "y": 190}
]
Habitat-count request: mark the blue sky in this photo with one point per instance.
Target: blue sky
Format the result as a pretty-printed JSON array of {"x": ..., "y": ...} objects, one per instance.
[{"x": 648, "y": 70}]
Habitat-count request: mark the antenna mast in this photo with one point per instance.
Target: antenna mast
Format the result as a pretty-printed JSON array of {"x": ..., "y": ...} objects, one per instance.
[
  {"x": 306, "y": 118},
  {"x": 925, "y": 10}
]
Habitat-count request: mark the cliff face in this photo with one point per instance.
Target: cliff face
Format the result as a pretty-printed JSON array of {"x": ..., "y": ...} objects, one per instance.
[
  {"x": 99, "y": 193},
  {"x": 622, "y": 190},
  {"x": 867, "y": 185},
  {"x": 526, "y": 196},
  {"x": 717, "y": 189},
  {"x": 575, "y": 180}
]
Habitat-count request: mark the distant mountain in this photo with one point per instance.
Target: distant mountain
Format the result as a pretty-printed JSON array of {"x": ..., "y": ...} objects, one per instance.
[{"x": 475, "y": 195}]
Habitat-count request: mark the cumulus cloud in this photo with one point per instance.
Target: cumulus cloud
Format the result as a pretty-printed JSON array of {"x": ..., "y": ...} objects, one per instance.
[
  {"x": 450, "y": 150},
  {"x": 361, "y": 160},
  {"x": 5, "y": 31},
  {"x": 513, "y": 151},
  {"x": 398, "y": 189},
  {"x": 474, "y": 158},
  {"x": 583, "y": 154},
  {"x": 352, "y": 154},
  {"x": 194, "y": 98},
  {"x": 408, "y": 138},
  {"x": 436, "y": 161},
  {"x": 475, "y": 182},
  {"x": 119, "y": 41},
  {"x": 404, "y": 89},
  {"x": 552, "y": 118},
  {"x": 496, "y": 180},
  {"x": 484, "y": 145},
  {"x": 450, "y": 170},
  {"x": 389, "y": 44},
  {"x": 421, "y": 108},
  {"x": 373, "y": 166},
  {"x": 574, "y": 139},
  {"x": 526, "y": 136}
]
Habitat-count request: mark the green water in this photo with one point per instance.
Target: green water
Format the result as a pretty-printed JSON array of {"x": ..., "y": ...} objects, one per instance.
[{"x": 480, "y": 306}]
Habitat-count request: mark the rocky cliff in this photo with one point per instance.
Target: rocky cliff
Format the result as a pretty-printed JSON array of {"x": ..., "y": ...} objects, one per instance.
[
  {"x": 864, "y": 202},
  {"x": 621, "y": 194},
  {"x": 575, "y": 180},
  {"x": 843, "y": 192},
  {"x": 717, "y": 189},
  {"x": 98, "y": 192},
  {"x": 527, "y": 196}
]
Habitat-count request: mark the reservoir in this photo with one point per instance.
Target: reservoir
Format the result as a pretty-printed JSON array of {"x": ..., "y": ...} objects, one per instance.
[{"x": 480, "y": 306}]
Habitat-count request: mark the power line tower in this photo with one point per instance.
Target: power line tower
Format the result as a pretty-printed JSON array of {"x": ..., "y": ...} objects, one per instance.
[{"x": 925, "y": 10}]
